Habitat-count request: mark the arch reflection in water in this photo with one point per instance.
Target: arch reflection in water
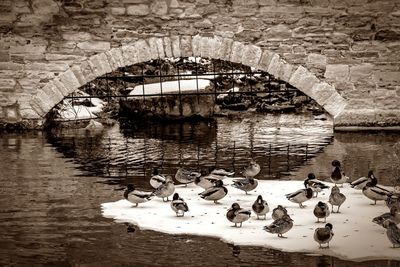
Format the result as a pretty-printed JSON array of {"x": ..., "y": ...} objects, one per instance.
[{"x": 280, "y": 144}]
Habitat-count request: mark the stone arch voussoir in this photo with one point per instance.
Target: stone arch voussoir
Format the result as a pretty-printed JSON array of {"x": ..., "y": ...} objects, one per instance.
[{"x": 182, "y": 46}]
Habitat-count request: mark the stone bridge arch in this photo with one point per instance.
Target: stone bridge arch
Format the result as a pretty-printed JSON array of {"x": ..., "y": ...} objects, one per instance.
[{"x": 214, "y": 47}]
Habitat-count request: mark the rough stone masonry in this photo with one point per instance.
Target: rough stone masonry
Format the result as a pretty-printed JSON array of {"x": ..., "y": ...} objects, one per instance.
[{"x": 345, "y": 54}]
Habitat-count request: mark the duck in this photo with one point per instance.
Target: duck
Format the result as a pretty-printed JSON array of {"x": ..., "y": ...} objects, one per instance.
[
  {"x": 375, "y": 193},
  {"x": 185, "y": 176},
  {"x": 206, "y": 180},
  {"x": 252, "y": 170},
  {"x": 393, "y": 215},
  {"x": 278, "y": 212},
  {"x": 215, "y": 193},
  {"x": 237, "y": 215},
  {"x": 280, "y": 226},
  {"x": 392, "y": 232},
  {"x": 324, "y": 235},
  {"x": 336, "y": 198},
  {"x": 179, "y": 206},
  {"x": 361, "y": 182},
  {"x": 245, "y": 184},
  {"x": 260, "y": 207},
  {"x": 337, "y": 175},
  {"x": 166, "y": 189},
  {"x": 321, "y": 211},
  {"x": 300, "y": 196},
  {"x": 221, "y": 172},
  {"x": 157, "y": 179},
  {"x": 393, "y": 201},
  {"x": 136, "y": 197},
  {"x": 314, "y": 184}
]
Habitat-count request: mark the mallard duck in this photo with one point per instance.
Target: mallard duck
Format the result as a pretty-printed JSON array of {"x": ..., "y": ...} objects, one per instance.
[
  {"x": 185, "y": 176},
  {"x": 237, "y": 215},
  {"x": 336, "y": 198},
  {"x": 393, "y": 215},
  {"x": 245, "y": 184},
  {"x": 300, "y": 196},
  {"x": 166, "y": 189},
  {"x": 314, "y": 184},
  {"x": 393, "y": 201},
  {"x": 252, "y": 170},
  {"x": 375, "y": 193},
  {"x": 221, "y": 172},
  {"x": 215, "y": 193},
  {"x": 361, "y": 182},
  {"x": 260, "y": 207},
  {"x": 323, "y": 235},
  {"x": 321, "y": 211},
  {"x": 206, "y": 180},
  {"x": 278, "y": 212},
  {"x": 280, "y": 226},
  {"x": 392, "y": 232},
  {"x": 136, "y": 197},
  {"x": 337, "y": 175},
  {"x": 156, "y": 179},
  {"x": 178, "y": 205}
]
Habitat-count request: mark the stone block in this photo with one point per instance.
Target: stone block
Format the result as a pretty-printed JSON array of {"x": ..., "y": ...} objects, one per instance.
[
  {"x": 94, "y": 46},
  {"x": 144, "y": 51},
  {"x": 280, "y": 68},
  {"x": 316, "y": 61},
  {"x": 28, "y": 113},
  {"x": 118, "y": 11},
  {"x": 50, "y": 66},
  {"x": 278, "y": 32},
  {"x": 99, "y": 64},
  {"x": 174, "y": 4},
  {"x": 176, "y": 46},
  {"x": 8, "y": 84},
  {"x": 337, "y": 72},
  {"x": 87, "y": 71},
  {"x": 335, "y": 104},
  {"x": 159, "y": 8},
  {"x": 138, "y": 10},
  {"x": 115, "y": 58},
  {"x": 251, "y": 55},
  {"x": 209, "y": 47},
  {"x": 60, "y": 86},
  {"x": 53, "y": 94},
  {"x": 45, "y": 7},
  {"x": 167, "y": 47},
  {"x": 186, "y": 46},
  {"x": 70, "y": 81},
  {"x": 265, "y": 60},
  {"x": 196, "y": 45},
  {"x": 29, "y": 49},
  {"x": 130, "y": 54},
  {"x": 321, "y": 92},
  {"x": 237, "y": 52},
  {"x": 303, "y": 80},
  {"x": 225, "y": 49},
  {"x": 76, "y": 69},
  {"x": 77, "y": 36},
  {"x": 360, "y": 72},
  {"x": 156, "y": 47}
]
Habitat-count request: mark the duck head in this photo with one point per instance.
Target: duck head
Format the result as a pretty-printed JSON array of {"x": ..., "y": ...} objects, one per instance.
[
  {"x": 335, "y": 189},
  {"x": 129, "y": 188},
  {"x": 235, "y": 206},
  {"x": 321, "y": 204},
  {"x": 336, "y": 163},
  {"x": 219, "y": 183},
  {"x": 310, "y": 176},
  {"x": 393, "y": 210},
  {"x": 175, "y": 197},
  {"x": 286, "y": 217},
  {"x": 259, "y": 199},
  {"x": 329, "y": 225}
]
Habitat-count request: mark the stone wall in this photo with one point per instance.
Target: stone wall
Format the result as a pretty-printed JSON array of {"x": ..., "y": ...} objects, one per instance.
[{"x": 343, "y": 53}]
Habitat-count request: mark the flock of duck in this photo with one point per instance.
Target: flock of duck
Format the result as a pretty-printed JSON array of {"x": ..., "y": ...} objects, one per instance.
[{"x": 214, "y": 190}]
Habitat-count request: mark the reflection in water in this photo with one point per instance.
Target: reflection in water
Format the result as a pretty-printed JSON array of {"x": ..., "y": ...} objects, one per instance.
[{"x": 52, "y": 188}]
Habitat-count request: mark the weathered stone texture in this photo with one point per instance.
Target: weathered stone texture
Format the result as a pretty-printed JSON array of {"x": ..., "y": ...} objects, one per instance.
[{"x": 352, "y": 46}]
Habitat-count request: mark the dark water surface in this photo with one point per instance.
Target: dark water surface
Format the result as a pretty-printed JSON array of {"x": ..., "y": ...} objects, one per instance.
[{"x": 52, "y": 186}]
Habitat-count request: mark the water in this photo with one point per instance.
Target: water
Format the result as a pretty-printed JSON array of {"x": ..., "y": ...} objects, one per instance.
[{"x": 53, "y": 185}]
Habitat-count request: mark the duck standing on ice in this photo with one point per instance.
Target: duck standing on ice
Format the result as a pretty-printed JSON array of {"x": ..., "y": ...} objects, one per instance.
[
  {"x": 393, "y": 215},
  {"x": 215, "y": 193},
  {"x": 260, "y": 207},
  {"x": 361, "y": 182},
  {"x": 300, "y": 196},
  {"x": 238, "y": 215},
  {"x": 185, "y": 176},
  {"x": 166, "y": 189},
  {"x": 314, "y": 184},
  {"x": 280, "y": 226},
  {"x": 278, "y": 212},
  {"x": 392, "y": 232},
  {"x": 179, "y": 206},
  {"x": 336, "y": 198},
  {"x": 245, "y": 184},
  {"x": 135, "y": 196},
  {"x": 337, "y": 175},
  {"x": 157, "y": 179},
  {"x": 323, "y": 235},
  {"x": 321, "y": 210},
  {"x": 375, "y": 193}
]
